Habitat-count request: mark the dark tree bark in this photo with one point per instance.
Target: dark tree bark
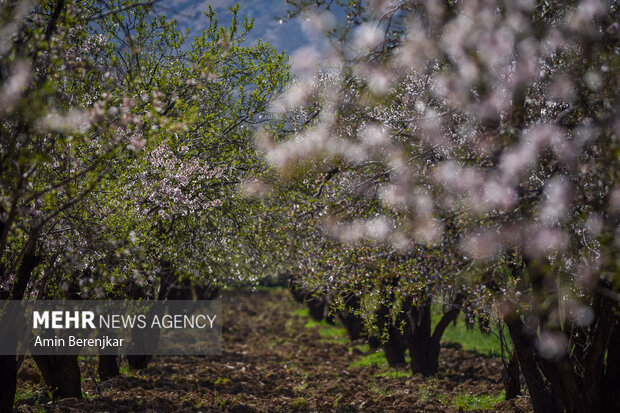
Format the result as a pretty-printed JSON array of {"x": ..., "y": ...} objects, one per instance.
[
  {"x": 316, "y": 306},
  {"x": 167, "y": 276},
  {"x": 61, "y": 375},
  {"x": 374, "y": 342},
  {"x": 351, "y": 321},
  {"x": 108, "y": 367},
  {"x": 510, "y": 376},
  {"x": 138, "y": 362},
  {"x": 9, "y": 363},
  {"x": 541, "y": 396},
  {"x": 583, "y": 393},
  {"x": 298, "y": 294},
  {"x": 423, "y": 346},
  {"x": 578, "y": 379},
  {"x": 8, "y": 383},
  {"x": 396, "y": 344},
  {"x": 611, "y": 395}
]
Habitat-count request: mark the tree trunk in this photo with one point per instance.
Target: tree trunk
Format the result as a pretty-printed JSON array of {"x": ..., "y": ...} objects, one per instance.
[
  {"x": 61, "y": 375},
  {"x": 395, "y": 348},
  {"x": 423, "y": 349},
  {"x": 543, "y": 400},
  {"x": 317, "y": 307},
  {"x": 108, "y": 367},
  {"x": 423, "y": 346},
  {"x": 138, "y": 362},
  {"x": 424, "y": 355},
  {"x": 512, "y": 384},
  {"x": 8, "y": 382},
  {"x": 374, "y": 342},
  {"x": 585, "y": 393},
  {"x": 611, "y": 395},
  {"x": 8, "y": 363},
  {"x": 167, "y": 278},
  {"x": 351, "y": 321},
  {"x": 395, "y": 345}
]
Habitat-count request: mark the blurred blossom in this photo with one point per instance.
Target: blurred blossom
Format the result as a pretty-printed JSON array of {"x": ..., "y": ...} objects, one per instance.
[
  {"x": 586, "y": 275},
  {"x": 582, "y": 18},
  {"x": 136, "y": 143},
  {"x": 378, "y": 228},
  {"x": 526, "y": 5},
  {"x": 311, "y": 142},
  {"x": 452, "y": 175},
  {"x": 423, "y": 203},
  {"x": 373, "y": 135},
  {"x": 15, "y": 85},
  {"x": 416, "y": 50},
  {"x": 427, "y": 231},
  {"x": 380, "y": 7},
  {"x": 594, "y": 224},
  {"x": 498, "y": 195},
  {"x": 496, "y": 46},
  {"x": 540, "y": 242},
  {"x": 296, "y": 95},
  {"x": 351, "y": 152},
  {"x": 394, "y": 195},
  {"x": 379, "y": 81},
  {"x": 614, "y": 199},
  {"x": 481, "y": 246},
  {"x": 516, "y": 160},
  {"x": 305, "y": 60},
  {"x": 402, "y": 242},
  {"x": 526, "y": 67},
  {"x": 593, "y": 80},
  {"x": 541, "y": 135},
  {"x": 20, "y": 10},
  {"x": 316, "y": 24},
  {"x": 580, "y": 314},
  {"x": 254, "y": 187},
  {"x": 74, "y": 121},
  {"x": 551, "y": 344},
  {"x": 556, "y": 204},
  {"x": 368, "y": 36},
  {"x": 562, "y": 88}
]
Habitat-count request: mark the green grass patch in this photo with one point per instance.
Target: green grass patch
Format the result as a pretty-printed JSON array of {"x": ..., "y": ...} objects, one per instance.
[
  {"x": 394, "y": 374},
  {"x": 25, "y": 392},
  {"x": 424, "y": 393},
  {"x": 124, "y": 370},
  {"x": 471, "y": 339},
  {"x": 222, "y": 381},
  {"x": 329, "y": 333},
  {"x": 380, "y": 390},
  {"x": 465, "y": 401},
  {"x": 302, "y": 312},
  {"x": 300, "y": 403},
  {"x": 375, "y": 358},
  {"x": 477, "y": 401}
]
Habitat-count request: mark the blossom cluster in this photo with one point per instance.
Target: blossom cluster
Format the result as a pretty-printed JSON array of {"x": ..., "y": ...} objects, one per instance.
[{"x": 177, "y": 185}]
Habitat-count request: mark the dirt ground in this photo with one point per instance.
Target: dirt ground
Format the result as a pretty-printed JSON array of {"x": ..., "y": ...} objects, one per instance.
[{"x": 272, "y": 362}]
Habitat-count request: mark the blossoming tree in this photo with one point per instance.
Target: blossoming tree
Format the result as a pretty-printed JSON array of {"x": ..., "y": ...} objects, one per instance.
[{"x": 493, "y": 122}]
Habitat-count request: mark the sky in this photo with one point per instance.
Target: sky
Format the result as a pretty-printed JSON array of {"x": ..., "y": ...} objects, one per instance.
[{"x": 286, "y": 35}]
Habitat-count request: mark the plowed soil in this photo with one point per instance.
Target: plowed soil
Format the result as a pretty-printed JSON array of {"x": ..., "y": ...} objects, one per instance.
[{"x": 273, "y": 362}]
